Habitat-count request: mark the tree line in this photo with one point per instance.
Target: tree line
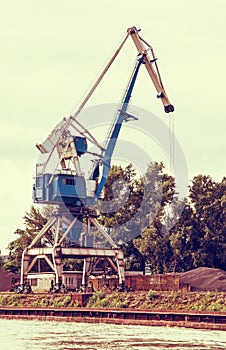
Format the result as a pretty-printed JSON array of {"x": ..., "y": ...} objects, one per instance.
[{"x": 156, "y": 229}]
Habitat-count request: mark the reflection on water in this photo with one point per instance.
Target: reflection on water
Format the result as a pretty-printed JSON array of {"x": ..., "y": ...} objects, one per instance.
[{"x": 52, "y": 335}]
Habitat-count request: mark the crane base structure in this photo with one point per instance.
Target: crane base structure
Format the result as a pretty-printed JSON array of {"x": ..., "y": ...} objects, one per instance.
[{"x": 61, "y": 223}]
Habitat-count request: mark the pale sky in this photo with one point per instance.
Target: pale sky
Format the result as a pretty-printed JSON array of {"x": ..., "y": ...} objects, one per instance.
[{"x": 52, "y": 52}]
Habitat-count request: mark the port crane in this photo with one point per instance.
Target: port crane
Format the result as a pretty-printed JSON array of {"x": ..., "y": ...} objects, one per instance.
[{"x": 72, "y": 194}]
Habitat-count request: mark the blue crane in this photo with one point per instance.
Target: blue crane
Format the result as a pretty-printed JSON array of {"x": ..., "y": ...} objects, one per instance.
[
  {"x": 60, "y": 181},
  {"x": 68, "y": 185}
]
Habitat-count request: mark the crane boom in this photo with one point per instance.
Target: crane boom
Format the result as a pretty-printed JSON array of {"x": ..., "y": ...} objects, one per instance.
[{"x": 155, "y": 76}]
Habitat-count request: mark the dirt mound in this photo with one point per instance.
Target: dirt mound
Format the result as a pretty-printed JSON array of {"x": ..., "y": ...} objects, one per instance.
[
  {"x": 205, "y": 279},
  {"x": 6, "y": 280}
]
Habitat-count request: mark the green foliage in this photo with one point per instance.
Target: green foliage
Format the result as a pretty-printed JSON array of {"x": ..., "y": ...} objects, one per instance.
[
  {"x": 123, "y": 195},
  {"x": 185, "y": 241},
  {"x": 37, "y": 301},
  {"x": 216, "y": 306},
  {"x": 151, "y": 295},
  {"x": 118, "y": 301},
  {"x": 199, "y": 236},
  {"x": 135, "y": 210},
  {"x": 73, "y": 264},
  {"x": 44, "y": 302},
  {"x": 11, "y": 266},
  {"x": 56, "y": 301},
  {"x": 65, "y": 302},
  {"x": 174, "y": 300},
  {"x": 4, "y": 300},
  {"x": 96, "y": 298},
  {"x": 34, "y": 220},
  {"x": 102, "y": 300},
  {"x": 208, "y": 200},
  {"x": 134, "y": 260},
  {"x": 9, "y": 300},
  {"x": 153, "y": 241}
]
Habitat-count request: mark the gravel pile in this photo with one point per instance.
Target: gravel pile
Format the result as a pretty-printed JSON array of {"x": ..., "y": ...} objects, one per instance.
[
  {"x": 6, "y": 279},
  {"x": 205, "y": 279}
]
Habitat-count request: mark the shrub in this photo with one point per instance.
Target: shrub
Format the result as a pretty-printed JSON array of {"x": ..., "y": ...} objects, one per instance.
[
  {"x": 115, "y": 300},
  {"x": 95, "y": 299},
  {"x": 216, "y": 306},
  {"x": 44, "y": 302},
  {"x": 151, "y": 294},
  {"x": 65, "y": 302}
]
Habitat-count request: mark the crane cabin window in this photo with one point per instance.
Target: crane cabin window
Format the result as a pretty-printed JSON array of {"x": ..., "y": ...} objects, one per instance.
[
  {"x": 39, "y": 181},
  {"x": 68, "y": 182}
]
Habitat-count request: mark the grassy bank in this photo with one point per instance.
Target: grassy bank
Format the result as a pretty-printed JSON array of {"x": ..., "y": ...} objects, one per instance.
[
  {"x": 152, "y": 300},
  {"x": 33, "y": 300}
]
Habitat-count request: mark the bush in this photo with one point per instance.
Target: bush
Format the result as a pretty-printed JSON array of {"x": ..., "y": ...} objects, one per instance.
[
  {"x": 115, "y": 300},
  {"x": 118, "y": 301},
  {"x": 95, "y": 299},
  {"x": 151, "y": 295},
  {"x": 216, "y": 306},
  {"x": 65, "y": 302},
  {"x": 44, "y": 302}
]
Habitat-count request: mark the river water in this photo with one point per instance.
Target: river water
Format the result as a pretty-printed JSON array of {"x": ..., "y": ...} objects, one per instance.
[{"x": 52, "y": 335}]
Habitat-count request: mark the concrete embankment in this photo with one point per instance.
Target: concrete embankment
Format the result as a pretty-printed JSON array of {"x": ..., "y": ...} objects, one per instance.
[{"x": 212, "y": 321}]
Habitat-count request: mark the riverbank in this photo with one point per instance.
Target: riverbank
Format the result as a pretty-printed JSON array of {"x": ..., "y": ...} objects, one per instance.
[
  {"x": 151, "y": 300},
  {"x": 196, "y": 320},
  {"x": 200, "y": 310},
  {"x": 154, "y": 300}
]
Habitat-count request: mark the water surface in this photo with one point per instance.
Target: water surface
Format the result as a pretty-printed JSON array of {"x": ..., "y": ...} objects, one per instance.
[{"x": 52, "y": 335}]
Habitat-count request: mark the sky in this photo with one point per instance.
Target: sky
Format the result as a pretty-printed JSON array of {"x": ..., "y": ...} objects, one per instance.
[{"x": 52, "y": 52}]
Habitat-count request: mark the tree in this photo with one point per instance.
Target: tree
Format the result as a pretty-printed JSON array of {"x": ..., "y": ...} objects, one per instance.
[
  {"x": 153, "y": 241},
  {"x": 185, "y": 241},
  {"x": 33, "y": 221},
  {"x": 199, "y": 237},
  {"x": 208, "y": 199},
  {"x": 134, "y": 260},
  {"x": 139, "y": 213},
  {"x": 123, "y": 195}
]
